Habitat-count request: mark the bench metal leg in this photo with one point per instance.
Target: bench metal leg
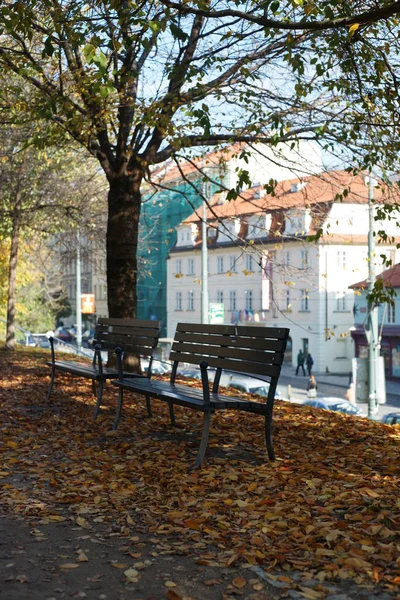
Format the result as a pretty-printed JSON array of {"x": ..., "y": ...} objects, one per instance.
[
  {"x": 204, "y": 439},
  {"x": 99, "y": 398},
  {"x": 148, "y": 405},
  {"x": 119, "y": 408},
  {"x": 268, "y": 437},
  {"x": 94, "y": 387},
  {"x": 53, "y": 374},
  {"x": 172, "y": 414}
]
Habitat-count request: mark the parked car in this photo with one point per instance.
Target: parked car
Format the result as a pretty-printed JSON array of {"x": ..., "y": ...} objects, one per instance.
[
  {"x": 250, "y": 385},
  {"x": 25, "y": 339},
  {"x": 87, "y": 338},
  {"x": 392, "y": 419},
  {"x": 64, "y": 334},
  {"x": 41, "y": 340},
  {"x": 157, "y": 368},
  {"x": 336, "y": 404}
]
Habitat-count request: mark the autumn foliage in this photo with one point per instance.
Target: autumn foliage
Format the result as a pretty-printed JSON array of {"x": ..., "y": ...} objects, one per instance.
[{"x": 328, "y": 507}]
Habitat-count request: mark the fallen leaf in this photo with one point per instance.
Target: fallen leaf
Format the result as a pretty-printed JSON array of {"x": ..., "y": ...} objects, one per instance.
[
  {"x": 239, "y": 582},
  {"x": 131, "y": 575}
]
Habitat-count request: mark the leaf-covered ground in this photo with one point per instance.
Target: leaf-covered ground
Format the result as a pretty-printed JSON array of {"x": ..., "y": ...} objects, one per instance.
[{"x": 328, "y": 508}]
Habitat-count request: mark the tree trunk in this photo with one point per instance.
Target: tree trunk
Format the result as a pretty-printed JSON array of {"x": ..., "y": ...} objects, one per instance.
[
  {"x": 124, "y": 202},
  {"x": 12, "y": 282}
]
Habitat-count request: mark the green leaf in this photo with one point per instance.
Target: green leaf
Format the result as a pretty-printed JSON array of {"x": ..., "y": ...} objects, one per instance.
[{"x": 177, "y": 32}]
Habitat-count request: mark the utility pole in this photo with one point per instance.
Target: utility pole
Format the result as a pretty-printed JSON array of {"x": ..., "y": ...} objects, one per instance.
[
  {"x": 204, "y": 257},
  {"x": 372, "y": 326},
  {"x": 78, "y": 293}
]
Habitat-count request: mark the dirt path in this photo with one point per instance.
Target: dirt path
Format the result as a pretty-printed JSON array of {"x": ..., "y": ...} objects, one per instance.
[{"x": 62, "y": 561}]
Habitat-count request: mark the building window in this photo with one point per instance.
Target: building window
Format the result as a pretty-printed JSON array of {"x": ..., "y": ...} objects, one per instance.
[
  {"x": 249, "y": 263},
  {"x": 178, "y": 267},
  {"x": 190, "y": 302},
  {"x": 287, "y": 299},
  {"x": 178, "y": 301},
  {"x": 304, "y": 306},
  {"x": 220, "y": 297},
  {"x": 220, "y": 264},
  {"x": 391, "y": 313},
  {"x": 232, "y": 300},
  {"x": 341, "y": 304},
  {"x": 304, "y": 259},
  {"x": 341, "y": 259},
  {"x": 190, "y": 268},
  {"x": 249, "y": 299},
  {"x": 232, "y": 264}
]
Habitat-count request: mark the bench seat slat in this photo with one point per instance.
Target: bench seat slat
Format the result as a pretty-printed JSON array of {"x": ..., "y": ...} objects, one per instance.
[
  {"x": 184, "y": 395},
  {"x": 88, "y": 371},
  {"x": 260, "y": 343},
  {"x": 275, "y": 358},
  {"x": 242, "y": 330},
  {"x": 133, "y": 332},
  {"x": 126, "y": 323},
  {"x": 239, "y": 366}
]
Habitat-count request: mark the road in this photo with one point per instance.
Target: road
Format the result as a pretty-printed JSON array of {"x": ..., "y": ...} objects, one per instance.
[{"x": 333, "y": 385}]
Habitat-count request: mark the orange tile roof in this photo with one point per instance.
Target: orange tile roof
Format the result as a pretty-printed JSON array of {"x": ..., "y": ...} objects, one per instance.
[
  {"x": 391, "y": 278},
  {"x": 169, "y": 171},
  {"x": 318, "y": 190}
]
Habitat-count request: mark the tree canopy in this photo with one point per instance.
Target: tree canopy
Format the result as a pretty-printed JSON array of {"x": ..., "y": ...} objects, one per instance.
[{"x": 137, "y": 83}]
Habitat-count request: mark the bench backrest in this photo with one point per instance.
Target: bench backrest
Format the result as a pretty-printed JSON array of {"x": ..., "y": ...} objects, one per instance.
[
  {"x": 133, "y": 336},
  {"x": 243, "y": 349}
]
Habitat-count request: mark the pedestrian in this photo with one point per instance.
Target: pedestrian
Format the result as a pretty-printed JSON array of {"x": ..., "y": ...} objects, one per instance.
[
  {"x": 311, "y": 387},
  {"x": 300, "y": 362},
  {"x": 309, "y": 363}
]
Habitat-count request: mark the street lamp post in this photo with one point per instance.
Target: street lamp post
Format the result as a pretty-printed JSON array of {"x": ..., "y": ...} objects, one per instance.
[
  {"x": 204, "y": 259},
  {"x": 78, "y": 293},
  {"x": 372, "y": 327}
]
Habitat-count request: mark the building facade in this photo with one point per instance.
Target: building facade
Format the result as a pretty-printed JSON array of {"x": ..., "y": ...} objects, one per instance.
[
  {"x": 388, "y": 321},
  {"x": 263, "y": 269}
]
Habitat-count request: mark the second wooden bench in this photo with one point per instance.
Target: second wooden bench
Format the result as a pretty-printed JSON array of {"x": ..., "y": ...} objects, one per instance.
[
  {"x": 131, "y": 336},
  {"x": 257, "y": 351}
]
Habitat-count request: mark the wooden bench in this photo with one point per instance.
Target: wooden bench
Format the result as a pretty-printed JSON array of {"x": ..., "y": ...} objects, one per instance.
[
  {"x": 256, "y": 351},
  {"x": 129, "y": 335}
]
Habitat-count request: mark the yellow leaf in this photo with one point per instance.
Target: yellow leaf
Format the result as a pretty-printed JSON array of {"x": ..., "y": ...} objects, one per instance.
[
  {"x": 55, "y": 518},
  {"x": 354, "y": 28},
  {"x": 170, "y": 584},
  {"x": 119, "y": 565},
  {"x": 12, "y": 444},
  {"x": 69, "y": 566},
  {"x": 82, "y": 523}
]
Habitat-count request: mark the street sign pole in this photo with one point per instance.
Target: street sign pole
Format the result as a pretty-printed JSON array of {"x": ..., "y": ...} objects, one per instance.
[
  {"x": 78, "y": 293},
  {"x": 372, "y": 329},
  {"x": 204, "y": 260}
]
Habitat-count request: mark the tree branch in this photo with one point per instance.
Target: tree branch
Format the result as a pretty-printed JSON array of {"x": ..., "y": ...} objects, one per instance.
[{"x": 369, "y": 16}]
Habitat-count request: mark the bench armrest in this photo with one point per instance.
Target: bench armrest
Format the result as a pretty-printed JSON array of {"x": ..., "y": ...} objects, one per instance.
[
  {"x": 204, "y": 381},
  {"x": 97, "y": 358},
  {"x": 53, "y": 356},
  {"x": 120, "y": 355}
]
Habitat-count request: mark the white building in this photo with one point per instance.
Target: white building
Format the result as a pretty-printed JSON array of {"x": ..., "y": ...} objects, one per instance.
[{"x": 262, "y": 268}]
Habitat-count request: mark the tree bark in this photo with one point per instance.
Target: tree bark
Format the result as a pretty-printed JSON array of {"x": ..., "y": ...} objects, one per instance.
[
  {"x": 124, "y": 203},
  {"x": 12, "y": 282}
]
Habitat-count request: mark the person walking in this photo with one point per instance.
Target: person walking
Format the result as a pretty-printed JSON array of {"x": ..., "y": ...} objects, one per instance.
[
  {"x": 300, "y": 362},
  {"x": 311, "y": 387},
  {"x": 309, "y": 363}
]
